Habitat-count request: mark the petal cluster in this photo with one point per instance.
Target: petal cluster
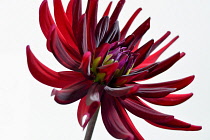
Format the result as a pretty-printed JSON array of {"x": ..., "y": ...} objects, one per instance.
[{"x": 104, "y": 65}]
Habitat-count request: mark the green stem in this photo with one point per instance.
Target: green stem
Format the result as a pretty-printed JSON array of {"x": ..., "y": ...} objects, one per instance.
[{"x": 91, "y": 125}]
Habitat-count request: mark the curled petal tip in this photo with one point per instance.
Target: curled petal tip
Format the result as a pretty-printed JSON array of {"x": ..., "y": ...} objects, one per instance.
[{"x": 54, "y": 92}]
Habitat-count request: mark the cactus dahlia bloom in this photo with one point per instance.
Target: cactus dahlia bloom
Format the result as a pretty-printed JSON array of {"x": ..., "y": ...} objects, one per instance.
[{"x": 105, "y": 65}]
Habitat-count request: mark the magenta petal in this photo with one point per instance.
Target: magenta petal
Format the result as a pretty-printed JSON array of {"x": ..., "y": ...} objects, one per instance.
[
  {"x": 112, "y": 121},
  {"x": 72, "y": 93},
  {"x": 128, "y": 24},
  {"x": 60, "y": 53},
  {"x": 89, "y": 104},
  {"x": 139, "y": 109},
  {"x": 85, "y": 65},
  {"x": 121, "y": 91},
  {"x": 169, "y": 100},
  {"x": 45, "y": 18},
  {"x": 44, "y": 74},
  {"x": 176, "y": 125}
]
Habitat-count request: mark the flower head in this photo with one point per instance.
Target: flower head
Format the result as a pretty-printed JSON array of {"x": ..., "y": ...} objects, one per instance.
[{"x": 105, "y": 65}]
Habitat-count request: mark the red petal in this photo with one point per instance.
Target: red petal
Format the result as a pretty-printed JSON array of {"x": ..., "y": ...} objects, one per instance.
[
  {"x": 169, "y": 100},
  {"x": 63, "y": 23},
  {"x": 106, "y": 12},
  {"x": 72, "y": 93},
  {"x": 69, "y": 10},
  {"x": 109, "y": 70},
  {"x": 45, "y": 75},
  {"x": 128, "y": 24},
  {"x": 176, "y": 125},
  {"x": 116, "y": 13},
  {"x": 60, "y": 53},
  {"x": 153, "y": 58},
  {"x": 143, "y": 52},
  {"x": 45, "y": 19},
  {"x": 121, "y": 91},
  {"x": 127, "y": 121},
  {"x": 91, "y": 12},
  {"x": 139, "y": 32},
  {"x": 76, "y": 13},
  {"x": 81, "y": 35},
  {"x": 112, "y": 121},
  {"x": 136, "y": 107},
  {"x": 85, "y": 65},
  {"x": 89, "y": 104}
]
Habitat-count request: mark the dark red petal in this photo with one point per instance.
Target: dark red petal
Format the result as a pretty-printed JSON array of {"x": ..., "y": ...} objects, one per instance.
[
  {"x": 143, "y": 52},
  {"x": 139, "y": 32},
  {"x": 88, "y": 105},
  {"x": 164, "y": 65},
  {"x": 60, "y": 53},
  {"x": 153, "y": 58},
  {"x": 128, "y": 24},
  {"x": 130, "y": 77},
  {"x": 113, "y": 34},
  {"x": 72, "y": 93},
  {"x": 176, "y": 125},
  {"x": 154, "y": 92},
  {"x": 112, "y": 121},
  {"x": 127, "y": 121},
  {"x": 106, "y": 12},
  {"x": 63, "y": 23},
  {"x": 76, "y": 13},
  {"x": 45, "y": 75},
  {"x": 81, "y": 35},
  {"x": 178, "y": 84},
  {"x": 116, "y": 13},
  {"x": 109, "y": 71},
  {"x": 69, "y": 11},
  {"x": 139, "y": 109},
  {"x": 159, "y": 41},
  {"x": 121, "y": 91},
  {"x": 91, "y": 12},
  {"x": 101, "y": 30},
  {"x": 85, "y": 65},
  {"x": 169, "y": 100},
  {"x": 45, "y": 18}
]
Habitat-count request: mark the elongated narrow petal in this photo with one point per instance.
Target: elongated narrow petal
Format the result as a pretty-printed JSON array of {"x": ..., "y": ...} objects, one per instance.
[
  {"x": 89, "y": 104},
  {"x": 81, "y": 35},
  {"x": 128, "y": 24},
  {"x": 138, "y": 108},
  {"x": 153, "y": 58},
  {"x": 72, "y": 93},
  {"x": 106, "y": 12},
  {"x": 121, "y": 91},
  {"x": 176, "y": 125},
  {"x": 60, "y": 53},
  {"x": 143, "y": 52},
  {"x": 91, "y": 11},
  {"x": 69, "y": 11},
  {"x": 164, "y": 65},
  {"x": 178, "y": 84},
  {"x": 85, "y": 65},
  {"x": 154, "y": 92},
  {"x": 127, "y": 121},
  {"x": 45, "y": 18},
  {"x": 76, "y": 13},
  {"x": 169, "y": 100},
  {"x": 63, "y": 23},
  {"x": 44, "y": 74},
  {"x": 139, "y": 32},
  {"x": 112, "y": 120}
]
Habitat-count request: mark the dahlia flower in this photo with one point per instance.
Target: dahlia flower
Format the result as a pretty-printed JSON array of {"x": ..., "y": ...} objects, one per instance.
[{"x": 106, "y": 67}]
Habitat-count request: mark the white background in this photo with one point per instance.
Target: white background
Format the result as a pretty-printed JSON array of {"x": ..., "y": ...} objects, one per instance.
[{"x": 28, "y": 112}]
